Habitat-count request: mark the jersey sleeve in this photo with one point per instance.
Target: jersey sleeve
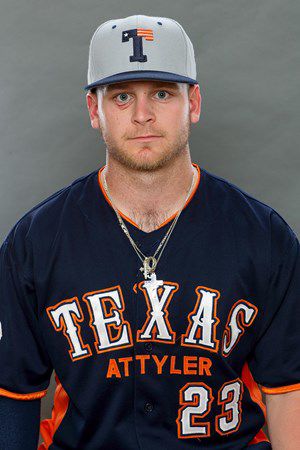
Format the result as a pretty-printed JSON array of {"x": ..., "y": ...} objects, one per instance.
[
  {"x": 19, "y": 423},
  {"x": 275, "y": 361},
  {"x": 25, "y": 365}
]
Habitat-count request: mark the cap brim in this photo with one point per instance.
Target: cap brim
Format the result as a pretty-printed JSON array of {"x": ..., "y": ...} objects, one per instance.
[{"x": 142, "y": 75}]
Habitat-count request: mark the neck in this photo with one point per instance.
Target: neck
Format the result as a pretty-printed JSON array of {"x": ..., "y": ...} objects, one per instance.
[{"x": 149, "y": 197}]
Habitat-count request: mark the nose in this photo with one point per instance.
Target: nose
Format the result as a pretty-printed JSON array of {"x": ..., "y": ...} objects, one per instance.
[{"x": 142, "y": 110}]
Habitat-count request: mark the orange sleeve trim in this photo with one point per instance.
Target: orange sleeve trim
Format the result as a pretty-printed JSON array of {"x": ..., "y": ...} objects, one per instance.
[
  {"x": 32, "y": 396},
  {"x": 280, "y": 390}
]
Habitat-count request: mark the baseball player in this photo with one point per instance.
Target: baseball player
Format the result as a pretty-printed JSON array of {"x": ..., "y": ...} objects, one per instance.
[{"x": 164, "y": 298}]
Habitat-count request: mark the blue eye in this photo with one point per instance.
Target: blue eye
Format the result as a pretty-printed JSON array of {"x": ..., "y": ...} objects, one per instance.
[
  {"x": 122, "y": 95},
  {"x": 162, "y": 91}
]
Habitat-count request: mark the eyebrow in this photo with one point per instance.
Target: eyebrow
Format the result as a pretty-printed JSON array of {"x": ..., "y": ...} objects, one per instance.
[{"x": 117, "y": 86}]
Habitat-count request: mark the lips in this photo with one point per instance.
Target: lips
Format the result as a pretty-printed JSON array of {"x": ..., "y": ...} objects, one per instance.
[{"x": 144, "y": 137}]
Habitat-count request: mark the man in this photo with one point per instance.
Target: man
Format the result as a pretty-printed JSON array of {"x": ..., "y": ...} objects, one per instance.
[{"x": 160, "y": 294}]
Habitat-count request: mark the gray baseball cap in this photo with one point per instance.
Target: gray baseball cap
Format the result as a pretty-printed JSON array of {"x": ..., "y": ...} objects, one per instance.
[{"x": 140, "y": 47}]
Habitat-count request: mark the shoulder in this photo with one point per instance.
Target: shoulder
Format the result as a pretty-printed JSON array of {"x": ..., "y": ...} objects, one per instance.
[
  {"x": 244, "y": 211},
  {"x": 41, "y": 221},
  {"x": 232, "y": 194}
]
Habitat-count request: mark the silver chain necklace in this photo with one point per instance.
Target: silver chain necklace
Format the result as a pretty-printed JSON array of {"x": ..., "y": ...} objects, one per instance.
[{"x": 149, "y": 262}]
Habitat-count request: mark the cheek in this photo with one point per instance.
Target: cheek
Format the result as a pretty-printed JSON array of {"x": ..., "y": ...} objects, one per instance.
[
  {"x": 112, "y": 123},
  {"x": 179, "y": 110},
  {"x": 109, "y": 117},
  {"x": 183, "y": 111},
  {"x": 175, "y": 119}
]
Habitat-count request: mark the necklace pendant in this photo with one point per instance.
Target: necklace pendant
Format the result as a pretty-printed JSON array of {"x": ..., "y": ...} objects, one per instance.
[
  {"x": 149, "y": 265},
  {"x": 153, "y": 283}
]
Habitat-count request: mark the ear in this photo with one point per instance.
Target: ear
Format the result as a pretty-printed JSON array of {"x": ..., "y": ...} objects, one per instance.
[
  {"x": 92, "y": 105},
  {"x": 195, "y": 102}
]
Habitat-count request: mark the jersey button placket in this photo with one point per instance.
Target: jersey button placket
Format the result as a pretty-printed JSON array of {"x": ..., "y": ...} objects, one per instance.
[
  {"x": 148, "y": 347},
  {"x": 148, "y": 407},
  {"x": 147, "y": 413}
]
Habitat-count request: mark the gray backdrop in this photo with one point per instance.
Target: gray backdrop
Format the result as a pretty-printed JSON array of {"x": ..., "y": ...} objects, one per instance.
[{"x": 247, "y": 56}]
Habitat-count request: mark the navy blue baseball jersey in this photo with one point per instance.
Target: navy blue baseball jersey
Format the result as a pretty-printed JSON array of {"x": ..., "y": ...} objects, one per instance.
[{"x": 179, "y": 362}]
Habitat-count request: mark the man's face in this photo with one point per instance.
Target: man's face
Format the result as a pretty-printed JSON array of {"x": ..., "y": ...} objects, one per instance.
[{"x": 126, "y": 111}]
